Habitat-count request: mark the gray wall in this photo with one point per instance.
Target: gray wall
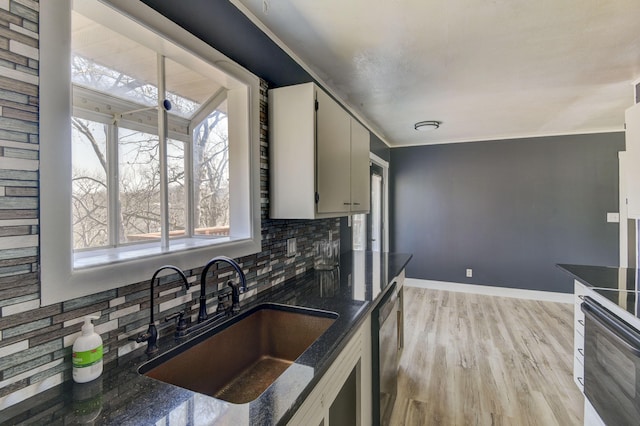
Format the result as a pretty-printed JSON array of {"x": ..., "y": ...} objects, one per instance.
[{"x": 508, "y": 209}]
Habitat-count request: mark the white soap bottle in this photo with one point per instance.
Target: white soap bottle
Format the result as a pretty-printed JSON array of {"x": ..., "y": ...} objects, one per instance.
[{"x": 87, "y": 353}]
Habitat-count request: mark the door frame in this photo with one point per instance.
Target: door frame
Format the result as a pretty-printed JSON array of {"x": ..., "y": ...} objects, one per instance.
[
  {"x": 385, "y": 198},
  {"x": 622, "y": 182}
]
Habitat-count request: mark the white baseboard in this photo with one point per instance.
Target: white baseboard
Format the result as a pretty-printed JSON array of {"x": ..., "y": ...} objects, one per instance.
[{"x": 545, "y": 296}]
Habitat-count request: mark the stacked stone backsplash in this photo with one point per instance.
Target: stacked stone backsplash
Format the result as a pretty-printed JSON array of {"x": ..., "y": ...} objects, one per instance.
[{"x": 35, "y": 342}]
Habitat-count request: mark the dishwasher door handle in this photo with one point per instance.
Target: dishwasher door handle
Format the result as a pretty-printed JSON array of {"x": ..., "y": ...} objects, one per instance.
[
  {"x": 386, "y": 308},
  {"x": 399, "y": 329}
]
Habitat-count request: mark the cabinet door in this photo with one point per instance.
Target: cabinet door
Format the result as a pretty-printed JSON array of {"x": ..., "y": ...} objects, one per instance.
[
  {"x": 578, "y": 335},
  {"x": 360, "y": 181},
  {"x": 344, "y": 408},
  {"x": 632, "y": 137},
  {"x": 333, "y": 154},
  {"x": 292, "y": 152}
]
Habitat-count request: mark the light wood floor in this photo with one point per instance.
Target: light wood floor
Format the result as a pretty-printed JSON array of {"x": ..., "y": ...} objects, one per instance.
[{"x": 485, "y": 360}]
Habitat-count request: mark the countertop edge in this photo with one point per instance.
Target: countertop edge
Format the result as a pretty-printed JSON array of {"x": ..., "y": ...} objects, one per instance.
[{"x": 597, "y": 290}]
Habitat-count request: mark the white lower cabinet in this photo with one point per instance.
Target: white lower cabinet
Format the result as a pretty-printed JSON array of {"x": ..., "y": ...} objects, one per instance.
[
  {"x": 578, "y": 335},
  {"x": 591, "y": 417},
  {"x": 343, "y": 394}
]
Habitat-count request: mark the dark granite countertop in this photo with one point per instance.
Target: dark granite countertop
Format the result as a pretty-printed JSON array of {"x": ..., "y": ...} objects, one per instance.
[
  {"x": 614, "y": 287},
  {"x": 121, "y": 396},
  {"x": 603, "y": 277}
]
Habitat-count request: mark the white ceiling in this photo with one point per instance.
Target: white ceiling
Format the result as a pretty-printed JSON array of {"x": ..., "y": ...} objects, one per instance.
[{"x": 490, "y": 69}]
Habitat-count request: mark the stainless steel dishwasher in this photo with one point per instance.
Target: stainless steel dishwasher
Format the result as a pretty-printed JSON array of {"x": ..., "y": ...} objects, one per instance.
[{"x": 387, "y": 333}]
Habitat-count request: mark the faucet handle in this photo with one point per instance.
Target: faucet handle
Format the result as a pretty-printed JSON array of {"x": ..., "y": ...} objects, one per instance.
[
  {"x": 224, "y": 303},
  {"x": 235, "y": 296},
  {"x": 140, "y": 337},
  {"x": 181, "y": 328},
  {"x": 150, "y": 336}
]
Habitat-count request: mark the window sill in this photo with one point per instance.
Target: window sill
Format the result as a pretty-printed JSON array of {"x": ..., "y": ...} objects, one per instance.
[
  {"x": 93, "y": 273},
  {"x": 108, "y": 256}
]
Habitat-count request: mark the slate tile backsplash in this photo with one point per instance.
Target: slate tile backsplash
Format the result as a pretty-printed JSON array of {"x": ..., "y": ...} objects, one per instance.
[{"x": 35, "y": 342}]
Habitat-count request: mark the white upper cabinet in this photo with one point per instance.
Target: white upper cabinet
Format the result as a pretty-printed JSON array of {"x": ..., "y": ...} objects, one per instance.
[
  {"x": 333, "y": 153},
  {"x": 360, "y": 180},
  {"x": 319, "y": 156},
  {"x": 632, "y": 136}
]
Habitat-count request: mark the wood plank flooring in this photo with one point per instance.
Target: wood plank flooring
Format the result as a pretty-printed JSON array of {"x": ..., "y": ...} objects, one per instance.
[{"x": 485, "y": 360}]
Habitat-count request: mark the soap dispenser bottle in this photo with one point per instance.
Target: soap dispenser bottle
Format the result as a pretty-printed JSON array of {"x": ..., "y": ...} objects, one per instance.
[{"x": 87, "y": 353}]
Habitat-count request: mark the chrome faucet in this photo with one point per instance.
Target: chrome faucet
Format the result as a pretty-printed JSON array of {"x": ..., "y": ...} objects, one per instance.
[
  {"x": 235, "y": 288},
  {"x": 151, "y": 335}
]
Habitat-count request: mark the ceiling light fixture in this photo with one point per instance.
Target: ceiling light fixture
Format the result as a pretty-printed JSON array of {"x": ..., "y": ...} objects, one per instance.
[{"x": 425, "y": 126}]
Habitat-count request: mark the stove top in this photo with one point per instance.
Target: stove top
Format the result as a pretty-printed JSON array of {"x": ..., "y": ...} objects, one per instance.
[
  {"x": 606, "y": 277},
  {"x": 626, "y": 300},
  {"x": 620, "y": 286}
]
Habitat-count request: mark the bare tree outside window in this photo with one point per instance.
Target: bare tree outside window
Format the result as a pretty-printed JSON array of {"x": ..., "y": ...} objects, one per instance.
[
  {"x": 139, "y": 191},
  {"x": 211, "y": 172},
  {"x": 177, "y": 190},
  {"x": 87, "y": 73},
  {"x": 89, "y": 184},
  {"x": 138, "y": 168}
]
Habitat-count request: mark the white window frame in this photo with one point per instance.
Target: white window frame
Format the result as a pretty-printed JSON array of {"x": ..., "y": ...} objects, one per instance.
[{"x": 62, "y": 280}]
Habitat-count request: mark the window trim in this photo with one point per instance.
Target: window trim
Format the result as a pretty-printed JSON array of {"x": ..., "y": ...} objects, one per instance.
[{"x": 59, "y": 280}]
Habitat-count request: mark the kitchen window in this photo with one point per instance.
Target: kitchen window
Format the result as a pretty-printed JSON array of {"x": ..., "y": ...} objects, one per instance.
[{"x": 158, "y": 162}]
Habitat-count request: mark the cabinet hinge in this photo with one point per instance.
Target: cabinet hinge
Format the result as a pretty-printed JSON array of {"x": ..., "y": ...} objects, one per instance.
[
  {"x": 317, "y": 198},
  {"x": 316, "y": 104}
]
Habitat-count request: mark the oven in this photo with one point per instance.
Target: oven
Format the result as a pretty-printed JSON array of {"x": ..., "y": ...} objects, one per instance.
[{"x": 611, "y": 365}]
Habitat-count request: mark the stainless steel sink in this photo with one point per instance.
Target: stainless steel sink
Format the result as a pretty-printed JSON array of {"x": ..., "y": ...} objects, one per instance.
[{"x": 239, "y": 362}]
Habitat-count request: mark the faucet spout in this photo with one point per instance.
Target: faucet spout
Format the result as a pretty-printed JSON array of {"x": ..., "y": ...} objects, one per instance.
[
  {"x": 151, "y": 335},
  {"x": 202, "y": 313}
]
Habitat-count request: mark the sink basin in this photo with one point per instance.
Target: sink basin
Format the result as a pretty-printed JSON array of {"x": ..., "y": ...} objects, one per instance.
[{"x": 239, "y": 362}]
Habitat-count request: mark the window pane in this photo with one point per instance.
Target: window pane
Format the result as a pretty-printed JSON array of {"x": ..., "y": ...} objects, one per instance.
[
  {"x": 139, "y": 167},
  {"x": 177, "y": 193},
  {"x": 109, "y": 62},
  {"x": 211, "y": 175},
  {"x": 89, "y": 188},
  {"x": 188, "y": 88}
]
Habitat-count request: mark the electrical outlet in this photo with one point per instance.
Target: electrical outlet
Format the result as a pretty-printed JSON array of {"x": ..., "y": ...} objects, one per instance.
[
  {"x": 469, "y": 273},
  {"x": 291, "y": 247}
]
